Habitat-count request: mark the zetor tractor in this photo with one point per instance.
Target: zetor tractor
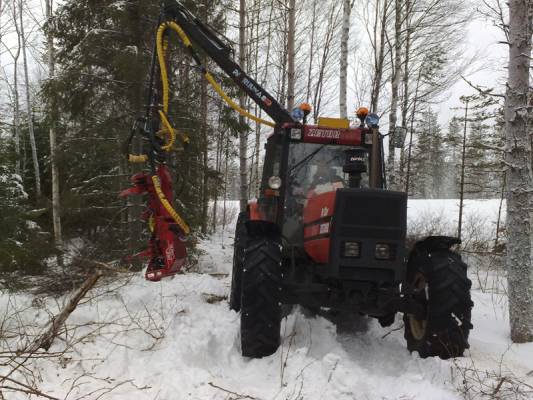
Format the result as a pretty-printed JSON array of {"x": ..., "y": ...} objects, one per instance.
[{"x": 326, "y": 234}]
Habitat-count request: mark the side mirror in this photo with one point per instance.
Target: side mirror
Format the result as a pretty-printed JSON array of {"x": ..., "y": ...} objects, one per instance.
[{"x": 398, "y": 137}]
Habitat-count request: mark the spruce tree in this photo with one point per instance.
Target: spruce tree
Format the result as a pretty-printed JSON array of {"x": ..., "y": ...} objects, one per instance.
[
  {"x": 452, "y": 144},
  {"x": 427, "y": 164},
  {"x": 23, "y": 243},
  {"x": 104, "y": 51}
]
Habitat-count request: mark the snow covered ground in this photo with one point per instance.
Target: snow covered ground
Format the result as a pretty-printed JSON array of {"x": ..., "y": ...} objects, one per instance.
[
  {"x": 177, "y": 339},
  {"x": 480, "y": 218}
]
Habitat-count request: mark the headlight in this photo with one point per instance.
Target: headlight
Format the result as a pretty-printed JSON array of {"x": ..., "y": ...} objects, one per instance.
[
  {"x": 296, "y": 134},
  {"x": 372, "y": 120},
  {"x": 274, "y": 182},
  {"x": 352, "y": 249},
  {"x": 383, "y": 251}
]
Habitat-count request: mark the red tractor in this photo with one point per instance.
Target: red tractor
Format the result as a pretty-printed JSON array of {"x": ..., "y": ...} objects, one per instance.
[{"x": 325, "y": 233}]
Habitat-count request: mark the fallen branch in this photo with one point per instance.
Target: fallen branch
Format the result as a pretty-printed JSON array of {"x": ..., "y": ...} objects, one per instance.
[
  {"x": 45, "y": 340},
  {"x": 499, "y": 386},
  {"x": 392, "y": 330},
  {"x": 239, "y": 396},
  {"x": 213, "y": 298},
  {"x": 24, "y": 388}
]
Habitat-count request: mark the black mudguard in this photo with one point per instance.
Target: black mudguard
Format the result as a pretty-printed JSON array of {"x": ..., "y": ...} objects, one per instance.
[
  {"x": 422, "y": 248},
  {"x": 432, "y": 243}
]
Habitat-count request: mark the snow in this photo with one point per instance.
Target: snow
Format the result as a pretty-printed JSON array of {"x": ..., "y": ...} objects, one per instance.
[
  {"x": 480, "y": 217},
  {"x": 16, "y": 189},
  {"x": 177, "y": 339}
]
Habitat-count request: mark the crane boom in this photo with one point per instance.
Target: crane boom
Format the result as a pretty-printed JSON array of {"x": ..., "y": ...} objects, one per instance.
[
  {"x": 167, "y": 251},
  {"x": 220, "y": 53}
]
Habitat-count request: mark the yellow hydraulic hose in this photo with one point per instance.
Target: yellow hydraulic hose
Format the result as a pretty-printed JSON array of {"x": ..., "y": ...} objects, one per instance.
[
  {"x": 171, "y": 132},
  {"x": 164, "y": 73},
  {"x": 166, "y": 204},
  {"x": 137, "y": 159},
  {"x": 234, "y": 105}
]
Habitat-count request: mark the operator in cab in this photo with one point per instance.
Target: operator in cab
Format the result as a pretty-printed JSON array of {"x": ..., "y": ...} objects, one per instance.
[{"x": 326, "y": 178}]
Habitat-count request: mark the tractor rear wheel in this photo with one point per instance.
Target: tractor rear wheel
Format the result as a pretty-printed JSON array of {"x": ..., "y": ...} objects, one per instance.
[
  {"x": 439, "y": 279},
  {"x": 240, "y": 241},
  {"x": 260, "y": 301}
]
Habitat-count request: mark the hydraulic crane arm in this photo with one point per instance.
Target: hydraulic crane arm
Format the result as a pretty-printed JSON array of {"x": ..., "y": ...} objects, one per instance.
[
  {"x": 220, "y": 53},
  {"x": 167, "y": 251}
]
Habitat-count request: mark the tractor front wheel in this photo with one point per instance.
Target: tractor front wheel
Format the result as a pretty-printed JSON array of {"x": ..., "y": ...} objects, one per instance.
[
  {"x": 438, "y": 278},
  {"x": 260, "y": 300},
  {"x": 239, "y": 246}
]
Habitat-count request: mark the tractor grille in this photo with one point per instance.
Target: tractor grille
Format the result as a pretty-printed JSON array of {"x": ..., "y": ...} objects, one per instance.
[
  {"x": 370, "y": 218},
  {"x": 372, "y": 215},
  {"x": 364, "y": 209}
]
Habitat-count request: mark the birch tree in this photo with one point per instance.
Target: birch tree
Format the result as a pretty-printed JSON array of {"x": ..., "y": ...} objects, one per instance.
[
  {"x": 518, "y": 157},
  {"x": 204, "y": 134},
  {"x": 291, "y": 38},
  {"x": 56, "y": 205},
  {"x": 377, "y": 36},
  {"x": 395, "y": 84},
  {"x": 31, "y": 131},
  {"x": 345, "y": 37},
  {"x": 323, "y": 58},
  {"x": 243, "y": 135},
  {"x": 14, "y": 91}
]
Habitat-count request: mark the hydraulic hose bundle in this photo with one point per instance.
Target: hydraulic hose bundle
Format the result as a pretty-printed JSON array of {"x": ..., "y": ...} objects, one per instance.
[{"x": 207, "y": 75}]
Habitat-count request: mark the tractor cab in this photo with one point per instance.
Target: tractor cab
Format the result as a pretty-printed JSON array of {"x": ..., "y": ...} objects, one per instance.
[{"x": 305, "y": 167}]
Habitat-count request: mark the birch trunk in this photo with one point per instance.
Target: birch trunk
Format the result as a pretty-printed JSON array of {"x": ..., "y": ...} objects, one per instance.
[
  {"x": 345, "y": 36},
  {"x": 291, "y": 37},
  {"x": 16, "y": 105},
  {"x": 56, "y": 205},
  {"x": 226, "y": 159},
  {"x": 282, "y": 85},
  {"x": 31, "y": 131},
  {"x": 263, "y": 80},
  {"x": 205, "y": 143},
  {"x": 323, "y": 61},
  {"x": 243, "y": 135},
  {"x": 311, "y": 52},
  {"x": 463, "y": 165},
  {"x": 410, "y": 147},
  {"x": 405, "y": 84},
  {"x": 379, "y": 57},
  {"x": 519, "y": 175},
  {"x": 395, "y": 84}
]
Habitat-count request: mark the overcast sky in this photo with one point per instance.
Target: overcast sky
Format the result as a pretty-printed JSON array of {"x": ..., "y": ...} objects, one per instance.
[{"x": 482, "y": 39}]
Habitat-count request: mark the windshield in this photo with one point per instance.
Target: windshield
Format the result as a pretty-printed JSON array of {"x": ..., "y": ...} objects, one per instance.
[
  {"x": 311, "y": 165},
  {"x": 313, "y": 169}
]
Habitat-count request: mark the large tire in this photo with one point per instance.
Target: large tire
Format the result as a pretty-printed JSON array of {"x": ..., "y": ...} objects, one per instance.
[
  {"x": 260, "y": 306},
  {"x": 439, "y": 278},
  {"x": 239, "y": 246}
]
